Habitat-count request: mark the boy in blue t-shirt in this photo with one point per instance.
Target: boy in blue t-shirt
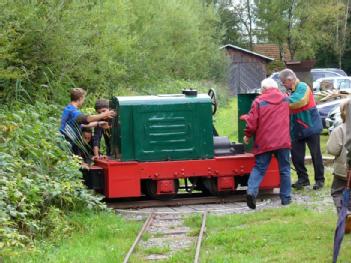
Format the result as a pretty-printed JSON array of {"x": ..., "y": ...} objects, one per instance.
[{"x": 72, "y": 117}]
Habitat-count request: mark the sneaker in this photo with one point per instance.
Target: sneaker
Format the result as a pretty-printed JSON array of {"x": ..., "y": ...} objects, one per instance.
[
  {"x": 251, "y": 201},
  {"x": 286, "y": 202},
  {"x": 298, "y": 185},
  {"x": 318, "y": 185},
  {"x": 348, "y": 224}
]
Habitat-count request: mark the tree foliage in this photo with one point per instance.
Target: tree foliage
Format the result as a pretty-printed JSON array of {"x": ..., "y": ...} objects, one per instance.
[
  {"x": 308, "y": 28},
  {"x": 303, "y": 25},
  {"x": 107, "y": 46}
]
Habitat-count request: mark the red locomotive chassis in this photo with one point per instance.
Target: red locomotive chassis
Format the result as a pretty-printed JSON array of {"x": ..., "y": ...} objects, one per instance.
[{"x": 124, "y": 179}]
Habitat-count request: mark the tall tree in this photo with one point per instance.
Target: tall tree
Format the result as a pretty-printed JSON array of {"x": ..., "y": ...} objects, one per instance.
[
  {"x": 344, "y": 34},
  {"x": 273, "y": 27},
  {"x": 230, "y": 23},
  {"x": 303, "y": 25},
  {"x": 238, "y": 20},
  {"x": 245, "y": 10}
]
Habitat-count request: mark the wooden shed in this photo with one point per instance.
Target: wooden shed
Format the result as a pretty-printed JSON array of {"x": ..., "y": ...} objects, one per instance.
[{"x": 247, "y": 69}]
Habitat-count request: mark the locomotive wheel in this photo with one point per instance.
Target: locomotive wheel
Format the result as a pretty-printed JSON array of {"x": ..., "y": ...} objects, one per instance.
[
  {"x": 210, "y": 184},
  {"x": 199, "y": 185},
  {"x": 150, "y": 189},
  {"x": 211, "y": 92}
]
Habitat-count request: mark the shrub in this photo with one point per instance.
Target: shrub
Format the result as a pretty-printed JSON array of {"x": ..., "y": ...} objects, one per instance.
[{"x": 39, "y": 179}]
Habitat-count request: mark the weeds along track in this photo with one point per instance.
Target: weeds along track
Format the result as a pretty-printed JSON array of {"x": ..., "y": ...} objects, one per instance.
[{"x": 167, "y": 234}]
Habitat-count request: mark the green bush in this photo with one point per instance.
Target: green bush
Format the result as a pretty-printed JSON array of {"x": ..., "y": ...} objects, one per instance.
[
  {"x": 47, "y": 47},
  {"x": 39, "y": 179}
]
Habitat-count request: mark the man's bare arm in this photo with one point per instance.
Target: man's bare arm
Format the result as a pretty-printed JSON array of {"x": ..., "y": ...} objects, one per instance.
[{"x": 109, "y": 114}]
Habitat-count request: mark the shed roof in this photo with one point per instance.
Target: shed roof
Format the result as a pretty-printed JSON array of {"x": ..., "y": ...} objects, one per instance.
[
  {"x": 272, "y": 50},
  {"x": 230, "y": 46}
]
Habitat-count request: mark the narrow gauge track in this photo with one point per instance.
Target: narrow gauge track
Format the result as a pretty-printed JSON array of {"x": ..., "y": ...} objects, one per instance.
[
  {"x": 153, "y": 221},
  {"x": 199, "y": 240},
  {"x": 137, "y": 239},
  {"x": 183, "y": 199}
]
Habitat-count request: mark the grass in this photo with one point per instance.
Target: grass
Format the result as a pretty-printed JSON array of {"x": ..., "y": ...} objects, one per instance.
[
  {"x": 194, "y": 222},
  {"x": 293, "y": 234},
  {"x": 157, "y": 250},
  {"x": 97, "y": 237},
  {"x": 226, "y": 120}
]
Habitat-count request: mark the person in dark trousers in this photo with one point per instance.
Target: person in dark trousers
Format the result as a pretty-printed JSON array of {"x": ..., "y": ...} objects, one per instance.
[
  {"x": 268, "y": 123},
  {"x": 305, "y": 128},
  {"x": 102, "y": 106}
]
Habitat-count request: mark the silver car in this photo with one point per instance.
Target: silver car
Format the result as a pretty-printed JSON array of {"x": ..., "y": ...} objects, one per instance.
[
  {"x": 342, "y": 84},
  {"x": 333, "y": 120}
]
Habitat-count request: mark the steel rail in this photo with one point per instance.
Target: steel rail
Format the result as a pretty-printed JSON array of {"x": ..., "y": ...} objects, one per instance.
[
  {"x": 225, "y": 210},
  {"x": 198, "y": 243},
  {"x": 137, "y": 204},
  {"x": 137, "y": 239}
]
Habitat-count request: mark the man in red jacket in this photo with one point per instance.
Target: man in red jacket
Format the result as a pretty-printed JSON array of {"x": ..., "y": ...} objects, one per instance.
[{"x": 268, "y": 122}]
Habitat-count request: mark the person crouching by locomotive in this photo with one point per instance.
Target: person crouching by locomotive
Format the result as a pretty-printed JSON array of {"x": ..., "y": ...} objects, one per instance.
[
  {"x": 268, "y": 123},
  {"x": 72, "y": 118},
  {"x": 102, "y": 106},
  {"x": 85, "y": 149},
  {"x": 305, "y": 128}
]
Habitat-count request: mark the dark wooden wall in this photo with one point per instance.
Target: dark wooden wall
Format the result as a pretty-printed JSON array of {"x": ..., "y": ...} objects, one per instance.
[{"x": 246, "y": 72}]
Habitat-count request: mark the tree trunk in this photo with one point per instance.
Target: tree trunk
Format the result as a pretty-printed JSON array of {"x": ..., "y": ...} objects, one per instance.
[
  {"x": 250, "y": 23},
  {"x": 342, "y": 46},
  {"x": 291, "y": 46}
]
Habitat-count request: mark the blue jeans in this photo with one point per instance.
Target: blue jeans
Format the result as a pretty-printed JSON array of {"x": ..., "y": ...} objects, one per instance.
[{"x": 259, "y": 170}]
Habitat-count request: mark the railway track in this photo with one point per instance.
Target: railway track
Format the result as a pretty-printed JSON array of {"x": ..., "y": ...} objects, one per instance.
[
  {"x": 137, "y": 239},
  {"x": 165, "y": 233},
  {"x": 183, "y": 200},
  {"x": 174, "y": 235},
  {"x": 199, "y": 240}
]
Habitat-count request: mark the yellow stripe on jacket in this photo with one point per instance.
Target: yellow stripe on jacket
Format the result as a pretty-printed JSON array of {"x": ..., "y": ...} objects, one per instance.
[{"x": 300, "y": 97}]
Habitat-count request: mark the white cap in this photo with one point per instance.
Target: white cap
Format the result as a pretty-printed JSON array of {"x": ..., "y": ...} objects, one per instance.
[{"x": 268, "y": 83}]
